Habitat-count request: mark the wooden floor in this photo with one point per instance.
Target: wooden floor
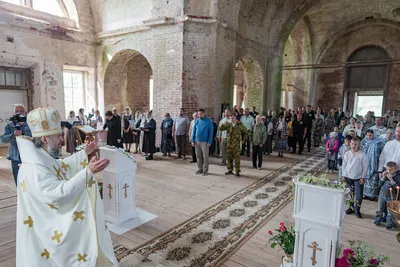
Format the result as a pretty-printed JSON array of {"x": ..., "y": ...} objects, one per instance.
[{"x": 169, "y": 189}]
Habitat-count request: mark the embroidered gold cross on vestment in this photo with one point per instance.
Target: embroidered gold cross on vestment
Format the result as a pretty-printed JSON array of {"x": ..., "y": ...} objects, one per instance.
[
  {"x": 79, "y": 215},
  {"x": 45, "y": 254},
  {"x": 82, "y": 257},
  {"x": 29, "y": 222},
  {"x": 23, "y": 186},
  {"x": 57, "y": 236},
  {"x": 84, "y": 163}
]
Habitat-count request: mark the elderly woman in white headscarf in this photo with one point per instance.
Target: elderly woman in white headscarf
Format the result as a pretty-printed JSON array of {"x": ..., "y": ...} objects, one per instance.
[
  {"x": 332, "y": 149},
  {"x": 281, "y": 134}
]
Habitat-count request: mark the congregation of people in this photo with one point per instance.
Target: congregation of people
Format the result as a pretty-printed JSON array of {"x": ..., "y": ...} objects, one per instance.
[{"x": 364, "y": 151}]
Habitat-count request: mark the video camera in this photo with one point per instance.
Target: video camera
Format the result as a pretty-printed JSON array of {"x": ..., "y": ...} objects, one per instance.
[{"x": 16, "y": 119}]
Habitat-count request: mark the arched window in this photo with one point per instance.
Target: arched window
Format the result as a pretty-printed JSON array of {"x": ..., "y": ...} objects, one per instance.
[
  {"x": 54, "y": 7},
  {"x": 366, "y": 80}
]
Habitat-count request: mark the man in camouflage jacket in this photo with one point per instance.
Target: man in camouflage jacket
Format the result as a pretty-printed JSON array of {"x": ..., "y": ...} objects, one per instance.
[{"x": 236, "y": 135}]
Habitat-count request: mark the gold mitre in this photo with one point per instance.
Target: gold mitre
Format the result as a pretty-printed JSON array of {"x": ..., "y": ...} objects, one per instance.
[{"x": 44, "y": 122}]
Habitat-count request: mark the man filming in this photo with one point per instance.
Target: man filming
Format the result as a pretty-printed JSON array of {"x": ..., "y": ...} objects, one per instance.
[{"x": 16, "y": 126}]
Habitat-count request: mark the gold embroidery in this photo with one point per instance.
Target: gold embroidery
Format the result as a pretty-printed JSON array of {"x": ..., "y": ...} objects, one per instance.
[
  {"x": 55, "y": 117},
  {"x": 58, "y": 172},
  {"x": 45, "y": 125},
  {"x": 125, "y": 187},
  {"x": 109, "y": 190},
  {"x": 79, "y": 215},
  {"x": 57, "y": 236},
  {"x": 65, "y": 166},
  {"x": 29, "y": 222},
  {"x": 84, "y": 163},
  {"x": 91, "y": 182},
  {"x": 32, "y": 121},
  {"x": 23, "y": 186},
  {"x": 45, "y": 254},
  {"x": 52, "y": 207},
  {"x": 82, "y": 257}
]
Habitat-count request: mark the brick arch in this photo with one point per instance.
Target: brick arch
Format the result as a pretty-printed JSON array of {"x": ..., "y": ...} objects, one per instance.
[
  {"x": 249, "y": 80},
  {"x": 127, "y": 81}
]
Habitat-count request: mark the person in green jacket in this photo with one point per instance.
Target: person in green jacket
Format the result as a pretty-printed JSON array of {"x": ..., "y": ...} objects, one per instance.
[
  {"x": 236, "y": 135},
  {"x": 259, "y": 137}
]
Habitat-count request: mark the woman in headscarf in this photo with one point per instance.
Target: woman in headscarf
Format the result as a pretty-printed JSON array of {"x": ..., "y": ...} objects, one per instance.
[
  {"x": 359, "y": 129},
  {"x": 136, "y": 132},
  {"x": 372, "y": 146},
  {"x": 73, "y": 137},
  {"x": 329, "y": 124},
  {"x": 389, "y": 136},
  {"x": 166, "y": 135},
  {"x": 127, "y": 137},
  {"x": 82, "y": 117},
  {"x": 96, "y": 119},
  {"x": 318, "y": 128},
  {"x": 149, "y": 143},
  {"x": 281, "y": 133}
]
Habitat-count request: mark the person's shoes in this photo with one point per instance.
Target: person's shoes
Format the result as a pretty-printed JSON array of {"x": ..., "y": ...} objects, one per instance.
[
  {"x": 169, "y": 155},
  {"x": 229, "y": 173},
  {"x": 222, "y": 164},
  {"x": 164, "y": 155},
  {"x": 372, "y": 199},
  {"x": 177, "y": 157},
  {"x": 327, "y": 171},
  {"x": 199, "y": 172},
  {"x": 184, "y": 157},
  {"x": 205, "y": 173},
  {"x": 378, "y": 221},
  {"x": 359, "y": 215},
  {"x": 254, "y": 167},
  {"x": 293, "y": 152},
  {"x": 237, "y": 174},
  {"x": 349, "y": 211},
  {"x": 193, "y": 161},
  {"x": 259, "y": 168},
  {"x": 149, "y": 158},
  {"x": 390, "y": 226}
]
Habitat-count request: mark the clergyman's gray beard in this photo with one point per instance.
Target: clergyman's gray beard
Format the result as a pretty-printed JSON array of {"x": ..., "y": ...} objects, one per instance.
[{"x": 54, "y": 152}]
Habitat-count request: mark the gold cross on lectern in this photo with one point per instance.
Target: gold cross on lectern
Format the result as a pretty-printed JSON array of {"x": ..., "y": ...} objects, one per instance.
[
  {"x": 125, "y": 187},
  {"x": 109, "y": 190},
  {"x": 314, "y": 246}
]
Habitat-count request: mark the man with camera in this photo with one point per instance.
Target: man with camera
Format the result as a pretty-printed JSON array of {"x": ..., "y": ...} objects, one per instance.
[{"x": 16, "y": 126}]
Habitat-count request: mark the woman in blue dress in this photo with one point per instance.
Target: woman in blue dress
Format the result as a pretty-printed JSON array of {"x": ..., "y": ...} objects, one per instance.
[{"x": 372, "y": 146}]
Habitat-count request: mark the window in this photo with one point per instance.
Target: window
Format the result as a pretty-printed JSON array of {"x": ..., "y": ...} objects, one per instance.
[
  {"x": 54, "y": 7},
  {"x": 74, "y": 91},
  {"x": 12, "y": 77}
]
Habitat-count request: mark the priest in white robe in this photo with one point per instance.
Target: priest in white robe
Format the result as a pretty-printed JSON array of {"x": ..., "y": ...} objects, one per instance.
[
  {"x": 391, "y": 152},
  {"x": 60, "y": 216}
]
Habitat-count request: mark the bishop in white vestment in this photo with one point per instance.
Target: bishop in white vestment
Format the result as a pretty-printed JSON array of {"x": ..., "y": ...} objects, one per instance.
[{"x": 60, "y": 216}]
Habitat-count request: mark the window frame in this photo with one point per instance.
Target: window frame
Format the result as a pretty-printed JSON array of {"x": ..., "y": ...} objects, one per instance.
[{"x": 84, "y": 88}]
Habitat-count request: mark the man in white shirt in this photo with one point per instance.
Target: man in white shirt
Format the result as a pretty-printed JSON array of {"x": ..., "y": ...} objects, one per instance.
[
  {"x": 354, "y": 169},
  {"x": 248, "y": 122},
  {"x": 221, "y": 135},
  {"x": 391, "y": 152}
]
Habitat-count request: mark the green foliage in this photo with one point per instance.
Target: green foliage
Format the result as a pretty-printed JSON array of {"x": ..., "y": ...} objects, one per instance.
[
  {"x": 319, "y": 181},
  {"x": 360, "y": 254},
  {"x": 284, "y": 237}
]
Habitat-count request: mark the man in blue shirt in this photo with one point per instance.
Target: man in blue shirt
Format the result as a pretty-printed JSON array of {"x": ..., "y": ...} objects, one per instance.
[
  {"x": 202, "y": 137},
  {"x": 11, "y": 130}
]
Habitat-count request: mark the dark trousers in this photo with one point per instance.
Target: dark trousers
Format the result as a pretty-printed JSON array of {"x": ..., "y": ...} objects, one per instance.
[
  {"x": 308, "y": 138},
  {"x": 257, "y": 153},
  {"x": 194, "y": 159},
  {"x": 357, "y": 189},
  {"x": 181, "y": 144},
  {"x": 290, "y": 141},
  {"x": 268, "y": 145},
  {"x": 246, "y": 146},
  {"x": 15, "y": 169},
  {"x": 298, "y": 139},
  {"x": 331, "y": 164}
]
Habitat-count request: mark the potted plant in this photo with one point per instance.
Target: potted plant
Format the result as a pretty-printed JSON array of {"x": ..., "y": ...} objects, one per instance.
[
  {"x": 285, "y": 238},
  {"x": 360, "y": 254}
]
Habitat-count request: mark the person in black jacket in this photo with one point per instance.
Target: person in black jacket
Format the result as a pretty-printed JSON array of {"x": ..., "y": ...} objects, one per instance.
[
  {"x": 149, "y": 143},
  {"x": 113, "y": 124},
  {"x": 299, "y": 133}
]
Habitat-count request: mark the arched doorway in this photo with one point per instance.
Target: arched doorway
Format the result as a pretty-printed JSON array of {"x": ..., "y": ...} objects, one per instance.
[
  {"x": 128, "y": 82},
  {"x": 366, "y": 80},
  {"x": 248, "y": 89}
]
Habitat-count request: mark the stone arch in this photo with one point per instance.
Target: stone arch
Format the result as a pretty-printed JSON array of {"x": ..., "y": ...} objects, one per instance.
[
  {"x": 249, "y": 84},
  {"x": 127, "y": 81}
]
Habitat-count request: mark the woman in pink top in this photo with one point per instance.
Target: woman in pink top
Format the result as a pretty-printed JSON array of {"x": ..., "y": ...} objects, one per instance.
[{"x": 332, "y": 149}]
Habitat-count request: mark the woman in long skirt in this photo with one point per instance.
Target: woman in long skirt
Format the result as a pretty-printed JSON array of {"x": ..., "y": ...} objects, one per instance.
[
  {"x": 372, "y": 146},
  {"x": 281, "y": 135},
  {"x": 166, "y": 135},
  {"x": 127, "y": 137},
  {"x": 149, "y": 136},
  {"x": 318, "y": 129}
]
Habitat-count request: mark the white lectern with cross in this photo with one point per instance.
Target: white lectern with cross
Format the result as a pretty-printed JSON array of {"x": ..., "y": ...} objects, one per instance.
[
  {"x": 318, "y": 214},
  {"x": 119, "y": 177}
]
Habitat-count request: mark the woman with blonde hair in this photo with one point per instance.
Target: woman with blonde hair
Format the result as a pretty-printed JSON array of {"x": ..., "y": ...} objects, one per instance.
[{"x": 259, "y": 137}]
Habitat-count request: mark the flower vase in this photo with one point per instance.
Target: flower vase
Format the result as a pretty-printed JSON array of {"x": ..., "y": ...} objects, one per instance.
[{"x": 287, "y": 261}]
